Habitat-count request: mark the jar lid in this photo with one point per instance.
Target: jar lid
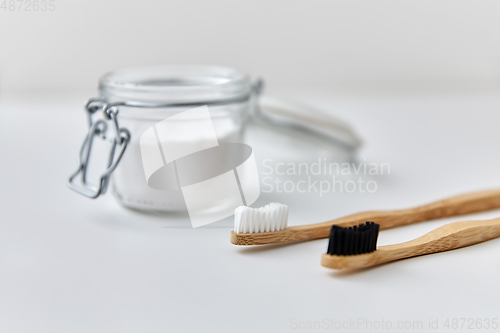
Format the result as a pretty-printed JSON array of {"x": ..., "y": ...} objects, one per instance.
[{"x": 174, "y": 84}]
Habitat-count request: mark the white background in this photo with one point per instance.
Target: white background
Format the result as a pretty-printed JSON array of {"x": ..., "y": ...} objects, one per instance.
[
  {"x": 418, "y": 80},
  {"x": 300, "y": 43}
]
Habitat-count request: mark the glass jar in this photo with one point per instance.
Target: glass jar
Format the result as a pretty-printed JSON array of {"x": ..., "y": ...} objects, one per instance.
[
  {"x": 137, "y": 99},
  {"x": 176, "y": 139}
]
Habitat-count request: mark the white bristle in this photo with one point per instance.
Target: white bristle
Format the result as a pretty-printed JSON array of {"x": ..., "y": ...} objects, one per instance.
[{"x": 271, "y": 217}]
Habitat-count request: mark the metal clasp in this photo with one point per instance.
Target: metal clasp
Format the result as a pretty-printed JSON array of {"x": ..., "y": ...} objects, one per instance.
[{"x": 99, "y": 128}]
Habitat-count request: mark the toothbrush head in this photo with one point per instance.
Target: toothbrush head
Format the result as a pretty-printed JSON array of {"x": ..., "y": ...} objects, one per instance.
[
  {"x": 353, "y": 240},
  {"x": 272, "y": 217}
]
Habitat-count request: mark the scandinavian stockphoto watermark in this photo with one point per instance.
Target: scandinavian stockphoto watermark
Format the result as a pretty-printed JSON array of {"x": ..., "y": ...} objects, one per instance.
[
  {"x": 343, "y": 325},
  {"x": 182, "y": 153},
  {"x": 383, "y": 324},
  {"x": 27, "y": 5},
  {"x": 322, "y": 176}
]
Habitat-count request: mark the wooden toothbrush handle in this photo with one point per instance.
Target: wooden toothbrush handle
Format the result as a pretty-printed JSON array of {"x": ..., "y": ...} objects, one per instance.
[
  {"x": 448, "y": 237},
  {"x": 454, "y": 206}
]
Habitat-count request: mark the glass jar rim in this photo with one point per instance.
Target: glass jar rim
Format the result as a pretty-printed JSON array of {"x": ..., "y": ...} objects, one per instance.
[{"x": 174, "y": 83}]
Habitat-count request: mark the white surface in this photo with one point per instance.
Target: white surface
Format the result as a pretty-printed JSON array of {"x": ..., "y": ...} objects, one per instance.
[{"x": 70, "y": 264}]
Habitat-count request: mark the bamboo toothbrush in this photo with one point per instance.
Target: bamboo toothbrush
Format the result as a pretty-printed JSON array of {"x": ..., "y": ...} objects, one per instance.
[
  {"x": 356, "y": 247},
  {"x": 268, "y": 225}
]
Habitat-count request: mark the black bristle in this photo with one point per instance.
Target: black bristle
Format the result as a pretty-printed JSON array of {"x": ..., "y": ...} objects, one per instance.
[
  {"x": 349, "y": 241},
  {"x": 331, "y": 240},
  {"x": 364, "y": 240},
  {"x": 337, "y": 237},
  {"x": 353, "y": 240}
]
